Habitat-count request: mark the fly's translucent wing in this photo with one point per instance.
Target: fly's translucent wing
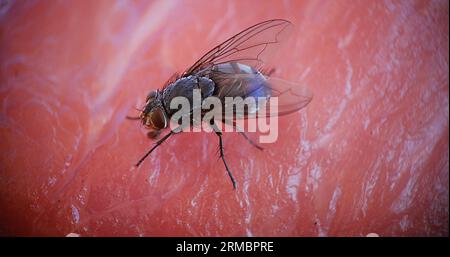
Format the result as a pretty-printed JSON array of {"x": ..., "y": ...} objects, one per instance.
[
  {"x": 239, "y": 87},
  {"x": 252, "y": 46},
  {"x": 291, "y": 96}
]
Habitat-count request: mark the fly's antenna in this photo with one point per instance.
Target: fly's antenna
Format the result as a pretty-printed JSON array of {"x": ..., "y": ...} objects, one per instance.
[{"x": 133, "y": 118}]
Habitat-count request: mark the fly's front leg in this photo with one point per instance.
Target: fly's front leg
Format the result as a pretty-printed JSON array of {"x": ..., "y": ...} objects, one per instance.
[
  {"x": 222, "y": 154},
  {"x": 153, "y": 134},
  {"x": 158, "y": 143},
  {"x": 154, "y": 147}
]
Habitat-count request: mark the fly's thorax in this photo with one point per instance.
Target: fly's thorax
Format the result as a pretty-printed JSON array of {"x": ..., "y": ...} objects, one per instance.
[{"x": 184, "y": 87}]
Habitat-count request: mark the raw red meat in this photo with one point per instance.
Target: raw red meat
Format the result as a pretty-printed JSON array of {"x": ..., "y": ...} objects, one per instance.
[{"x": 369, "y": 154}]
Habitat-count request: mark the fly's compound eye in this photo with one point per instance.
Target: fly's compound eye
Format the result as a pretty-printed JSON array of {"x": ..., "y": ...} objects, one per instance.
[{"x": 158, "y": 119}]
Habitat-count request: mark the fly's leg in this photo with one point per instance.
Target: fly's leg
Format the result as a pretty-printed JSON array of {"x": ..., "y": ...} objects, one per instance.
[
  {"x": 222, "y": 155},
  {"x": 153, "y": 134},
  {"x": 241, "y": 131},
  {"x": 251, "y": 141},
  {"x": 133, "y": 118},
  {"x": 159, "y": 142}
]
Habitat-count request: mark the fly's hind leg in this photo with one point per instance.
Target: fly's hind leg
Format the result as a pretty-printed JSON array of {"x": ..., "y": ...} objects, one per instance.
[{"x": 222, "y": 154}]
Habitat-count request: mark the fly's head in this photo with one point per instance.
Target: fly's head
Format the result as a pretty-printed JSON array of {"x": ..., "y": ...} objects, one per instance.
[{"x": 153, "y": 116}]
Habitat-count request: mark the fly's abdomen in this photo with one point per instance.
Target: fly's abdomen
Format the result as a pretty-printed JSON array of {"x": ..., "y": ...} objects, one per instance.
[{"x": 239, "y": 80}]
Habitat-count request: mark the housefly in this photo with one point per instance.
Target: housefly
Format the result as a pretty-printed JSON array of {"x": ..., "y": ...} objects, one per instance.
[{"x": 233, "y": 68}]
